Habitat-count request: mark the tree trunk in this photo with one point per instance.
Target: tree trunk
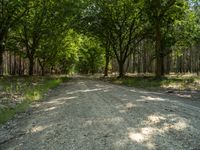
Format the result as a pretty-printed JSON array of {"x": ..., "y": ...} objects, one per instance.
[
  {"x": 128, "y": 64},
  {"x": 31, "y": 65},
  {"x": 107, "y": 60},
  {"x": 106, "y": 66},
  {"x": 20, "y": 66},
  {"x": 10, "y": 63},
  {"x": 139, "y": 64},
  {"x": 145, "y": 62},
  {"x": 42, "y": 68},
  {"x": 133, "y": 63},
  {"x": 198, "y": 65},
  {"x": 121, "y": 69},
  {"x": 168, "y": 64},
  {"x": 1, "y": 60},
  {"x": 15, "y": 65},
  {"x": 159, "y": 53}
]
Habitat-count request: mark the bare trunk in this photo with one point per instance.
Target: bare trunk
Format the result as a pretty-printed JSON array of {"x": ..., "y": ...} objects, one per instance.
[
  {"x": 106, "y": 67},
  {"x": 31, "y": 65},
  {"x": 145, "y": 62},
  {"x": 159, "y": 53},
  {"x": 2, "y": 48},
  {"x": 121, "y": 69},
  {"x": 1, "y": 60},
  {"x": 168, "y": 64}
]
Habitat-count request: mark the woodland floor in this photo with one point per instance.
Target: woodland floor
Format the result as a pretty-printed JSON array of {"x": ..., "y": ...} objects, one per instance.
[{"x": 86, "y": 114}]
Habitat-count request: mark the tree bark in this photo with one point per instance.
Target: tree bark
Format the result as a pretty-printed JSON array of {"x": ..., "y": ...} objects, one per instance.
[
  {"x": 1, "y": 59},
  {"x": 121, "y": 69},
  {"x": 145, "y": 62},
  {"x": 159, "y": 53},
  {"x": 106, "y": 66},
  {"x": 168, "y": 64},
  {"x": 31, "y": 65}
]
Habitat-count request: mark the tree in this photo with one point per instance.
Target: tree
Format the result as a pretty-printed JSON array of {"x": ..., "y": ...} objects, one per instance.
[
  {"x": 162, "y": 14},
  {"x": 119, "y": 24},
  {"x": 10, "y": 14},
  {"x": 91, "y": 57}
]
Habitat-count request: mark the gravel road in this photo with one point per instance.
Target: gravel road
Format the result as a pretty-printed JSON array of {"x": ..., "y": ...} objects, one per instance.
[{"x": 93, "y": 115}]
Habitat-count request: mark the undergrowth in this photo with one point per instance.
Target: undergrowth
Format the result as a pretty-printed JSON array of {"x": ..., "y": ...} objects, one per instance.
[{"x": 17, "y": 93}]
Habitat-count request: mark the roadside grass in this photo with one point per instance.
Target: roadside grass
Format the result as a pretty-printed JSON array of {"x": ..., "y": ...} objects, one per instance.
[
  {"x": 173, "y": 82},
  {"x": 17, "y": 93}
]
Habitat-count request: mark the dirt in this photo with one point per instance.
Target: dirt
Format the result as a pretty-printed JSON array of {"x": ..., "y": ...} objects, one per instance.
[{"x": 93, "y": 115}]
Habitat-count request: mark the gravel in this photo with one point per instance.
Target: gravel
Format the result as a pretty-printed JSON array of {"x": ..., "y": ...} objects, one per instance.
[{"x": 93, "y": 115}]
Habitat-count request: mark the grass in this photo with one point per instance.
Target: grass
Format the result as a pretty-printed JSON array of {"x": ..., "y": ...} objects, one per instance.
[
  {"x": 176, "y": 82},
  {"x": 18, "y": 93}
]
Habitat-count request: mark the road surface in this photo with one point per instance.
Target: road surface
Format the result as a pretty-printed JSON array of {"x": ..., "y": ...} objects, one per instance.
[{"x": 93, "y": 115}]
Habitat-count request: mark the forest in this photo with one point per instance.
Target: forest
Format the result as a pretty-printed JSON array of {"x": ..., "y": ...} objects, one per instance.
[
  {"x": 43, "y": 37},
  {"x": 100, "y": 74}
]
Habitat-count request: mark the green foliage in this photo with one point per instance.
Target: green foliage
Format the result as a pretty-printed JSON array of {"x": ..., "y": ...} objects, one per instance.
[
  {"x": 51, "y": 32},
  {"x": 91, "y": 56},
  {"x": 67, "y": 56}
]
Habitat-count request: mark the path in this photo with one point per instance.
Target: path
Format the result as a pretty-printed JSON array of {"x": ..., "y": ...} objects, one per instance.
[{"x": 93, "y": 115}]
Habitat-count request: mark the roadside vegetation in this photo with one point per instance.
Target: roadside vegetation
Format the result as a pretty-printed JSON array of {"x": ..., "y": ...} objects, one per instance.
[
  {"x": 169, "y": 82},
  {"x": 17, "y": 93}
]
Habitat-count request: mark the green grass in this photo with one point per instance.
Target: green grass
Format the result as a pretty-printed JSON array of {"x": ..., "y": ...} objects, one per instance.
[
  {"x": 26, "y": 90},
  {"x": 169, "y": 82},
  {"x": 8, "y": 113}
]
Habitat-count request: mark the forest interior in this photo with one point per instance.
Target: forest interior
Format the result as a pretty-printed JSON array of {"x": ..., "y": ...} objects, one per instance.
[{"x": 127, "y": 71}]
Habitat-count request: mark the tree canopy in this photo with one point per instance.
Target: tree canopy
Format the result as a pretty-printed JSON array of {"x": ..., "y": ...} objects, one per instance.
[{"x": 65, "y": 36}]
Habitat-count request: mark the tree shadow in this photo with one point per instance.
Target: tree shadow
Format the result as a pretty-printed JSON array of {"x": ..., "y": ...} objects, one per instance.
[{"x": 94, "y": 115}]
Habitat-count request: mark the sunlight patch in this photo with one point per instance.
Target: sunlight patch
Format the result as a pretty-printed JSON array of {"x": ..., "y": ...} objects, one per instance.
[
  {"x": 177, "y": 126},
  {"x": 153, "y": 98},
  {"x": 137, "y": 137},
  {"x": 49, "y": 109},
  {"x": 38, "y": 129},
  {"x": 147, "y": 131},
  {"x": 61, "y": 100},
  {"x": 130, "y": 105},
  {"x": 155, "y": 119},
  {"x": 85, "y": 91}
]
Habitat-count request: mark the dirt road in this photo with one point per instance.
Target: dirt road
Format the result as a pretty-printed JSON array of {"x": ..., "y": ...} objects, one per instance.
[{"x": 93, "y": 115}]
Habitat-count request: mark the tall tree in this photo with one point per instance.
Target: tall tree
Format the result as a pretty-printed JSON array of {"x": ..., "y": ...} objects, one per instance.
[
  {"x": 10, "y": 14},
  {"x": 118, "y": 23},
  {"x": 163, "y": 13}
]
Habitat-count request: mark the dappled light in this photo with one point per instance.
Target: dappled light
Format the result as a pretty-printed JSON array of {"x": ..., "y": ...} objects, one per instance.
[
  {"x": 149, "y": 98},
  {"x": 138, "y": 137},
  {"x": 146, "y": 92},
  {"x": 99, "y": 75},
  {"x": 62, "y": 100},
  {"x": 84, "y": 91},
  {"x": 146, "y": 135},
  {"x": 83, "y": 114},
  {"x": 49, "y": 109},
  {"x": 154, "y": 119},
  {"x": 130, "y": 105},
  {"x": 39, "y": 128}
]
